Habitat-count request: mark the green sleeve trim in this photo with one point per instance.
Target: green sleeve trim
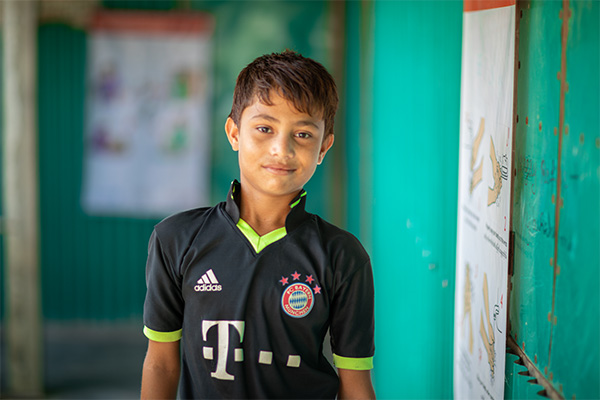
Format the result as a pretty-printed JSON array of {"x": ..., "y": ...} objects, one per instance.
[
  {"x": 357, "y": 364},
  {"x": 163, "y": 337}
]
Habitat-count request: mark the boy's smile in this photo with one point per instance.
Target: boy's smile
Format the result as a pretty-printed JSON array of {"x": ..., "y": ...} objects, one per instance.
[{"x": 278, "y": 147}]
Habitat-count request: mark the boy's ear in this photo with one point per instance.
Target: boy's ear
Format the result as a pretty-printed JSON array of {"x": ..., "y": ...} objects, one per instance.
[
  {"x": 233, "y": 134},
  {"x": 325, "y": 146}
]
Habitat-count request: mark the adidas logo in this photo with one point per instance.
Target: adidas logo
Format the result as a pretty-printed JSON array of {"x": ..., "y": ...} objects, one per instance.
[{"x": 208, "y": 283}]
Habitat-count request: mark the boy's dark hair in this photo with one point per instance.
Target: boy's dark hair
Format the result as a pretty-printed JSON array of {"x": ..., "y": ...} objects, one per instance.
[{"x": 300, "y": 80}]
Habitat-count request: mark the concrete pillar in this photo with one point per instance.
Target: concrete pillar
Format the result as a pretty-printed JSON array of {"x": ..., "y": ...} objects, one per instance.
[{"x": 22, "y": 325}]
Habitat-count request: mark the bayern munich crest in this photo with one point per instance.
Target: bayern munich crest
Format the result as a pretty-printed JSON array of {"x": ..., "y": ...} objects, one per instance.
[{"x": 298, "y": 298}]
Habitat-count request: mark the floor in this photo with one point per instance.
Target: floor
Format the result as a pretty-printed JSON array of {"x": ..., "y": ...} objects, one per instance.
[{"x": 90, "y": 361}]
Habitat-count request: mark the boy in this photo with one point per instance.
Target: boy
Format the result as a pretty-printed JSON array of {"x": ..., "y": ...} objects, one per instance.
[{"x": 251, "y": 286}]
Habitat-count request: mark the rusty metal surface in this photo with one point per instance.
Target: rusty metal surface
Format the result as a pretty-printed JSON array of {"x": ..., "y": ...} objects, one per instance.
[{"x": 555, "y": 305}]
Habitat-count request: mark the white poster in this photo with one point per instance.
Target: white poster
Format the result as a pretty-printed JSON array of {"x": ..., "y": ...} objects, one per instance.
[
  {"x": 486, "y": 129},
  {"x": 148, "y": 114}
]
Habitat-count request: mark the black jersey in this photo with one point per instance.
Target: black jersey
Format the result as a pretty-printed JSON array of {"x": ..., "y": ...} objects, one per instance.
[{"x": 252, "y": 312}]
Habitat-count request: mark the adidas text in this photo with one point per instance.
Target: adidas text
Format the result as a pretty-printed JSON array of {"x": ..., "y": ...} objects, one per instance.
[{"x": 207, "y": 287}]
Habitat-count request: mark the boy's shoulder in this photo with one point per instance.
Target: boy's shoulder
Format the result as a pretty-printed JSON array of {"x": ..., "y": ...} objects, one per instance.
[
  {"x": 183, "y": 225},
  {"x": 338, "y": 240}
]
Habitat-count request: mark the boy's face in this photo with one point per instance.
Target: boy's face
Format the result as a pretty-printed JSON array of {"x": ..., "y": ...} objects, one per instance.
[{"x": 278, "y": 147}]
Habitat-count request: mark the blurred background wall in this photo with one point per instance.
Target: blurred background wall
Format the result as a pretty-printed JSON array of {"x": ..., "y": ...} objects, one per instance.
[{"x": 391, "y": 179}]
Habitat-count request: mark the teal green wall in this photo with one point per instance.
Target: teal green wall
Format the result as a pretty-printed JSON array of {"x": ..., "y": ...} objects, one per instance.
[
  {"x": 93, "y": 267},
  {"x": 415, "y": 130},
  {"x": 564, "y": 344}
]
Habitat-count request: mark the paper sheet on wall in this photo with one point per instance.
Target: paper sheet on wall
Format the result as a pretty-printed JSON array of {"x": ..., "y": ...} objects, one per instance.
[
  {"x": 486, "y": 130},
  {"x": 148, "y": 114}
]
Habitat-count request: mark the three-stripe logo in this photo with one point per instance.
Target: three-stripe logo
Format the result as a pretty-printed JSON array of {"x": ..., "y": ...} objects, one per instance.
[{"x": 208, "y": 283}]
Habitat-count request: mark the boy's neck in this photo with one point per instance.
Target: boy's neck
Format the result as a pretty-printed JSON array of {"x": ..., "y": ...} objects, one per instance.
[{"x": 264, "y": 213}]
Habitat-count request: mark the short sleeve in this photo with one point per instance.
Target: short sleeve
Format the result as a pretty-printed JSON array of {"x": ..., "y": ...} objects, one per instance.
[
  {"x": 353, "y": 321},
  {"x": 163, "y": 307}
]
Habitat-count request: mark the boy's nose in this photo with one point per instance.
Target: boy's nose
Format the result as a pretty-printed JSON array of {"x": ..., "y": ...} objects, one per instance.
[{"x": 282, "y": 146}]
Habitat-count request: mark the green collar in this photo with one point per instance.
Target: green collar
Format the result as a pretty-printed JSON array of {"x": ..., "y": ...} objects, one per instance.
[
  {"x": 295, "y": 218},
  {"x": 257, "y": 241}
]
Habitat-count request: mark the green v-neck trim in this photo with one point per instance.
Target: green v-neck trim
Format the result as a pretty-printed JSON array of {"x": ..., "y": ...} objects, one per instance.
[{"x": 260, "y": 242}]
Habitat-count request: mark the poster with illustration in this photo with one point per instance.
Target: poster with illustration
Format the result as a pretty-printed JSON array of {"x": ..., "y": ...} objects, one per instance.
[
  {"x": 486, "y": 131},
  {"x": 147, "y": 148}
]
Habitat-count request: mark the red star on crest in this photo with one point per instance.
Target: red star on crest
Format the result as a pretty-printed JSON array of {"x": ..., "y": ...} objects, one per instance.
[
  {"x": 309, "y": 279},
  {"x": 317, "y": 289},
  {"x": 296, "y": 275},
  {"x": 284, "y": 281}
]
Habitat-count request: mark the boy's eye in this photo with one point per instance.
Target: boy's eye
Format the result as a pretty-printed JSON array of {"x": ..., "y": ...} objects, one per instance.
[
  {"x": 264, "y": 129},
  {"x": 303, "y": 135}
]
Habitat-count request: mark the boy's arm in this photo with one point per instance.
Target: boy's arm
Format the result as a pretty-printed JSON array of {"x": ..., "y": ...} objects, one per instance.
[
  {"x": 355, "y": 384},
  {"x": 160, "y": 376}
]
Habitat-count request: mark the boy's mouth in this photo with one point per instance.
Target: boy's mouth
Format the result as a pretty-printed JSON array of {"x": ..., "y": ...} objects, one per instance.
[{"x": 279, "y": 169}]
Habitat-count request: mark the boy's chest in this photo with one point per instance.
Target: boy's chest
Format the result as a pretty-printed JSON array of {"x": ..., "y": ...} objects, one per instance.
[
  {"x": 228, "y": 280},
  {"x": 269, "y": 310},
  {"x": 249, "y": 315}
]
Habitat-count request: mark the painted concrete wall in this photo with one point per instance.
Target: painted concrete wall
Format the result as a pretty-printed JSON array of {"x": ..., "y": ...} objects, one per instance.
[{"x": 404, "y": 188}]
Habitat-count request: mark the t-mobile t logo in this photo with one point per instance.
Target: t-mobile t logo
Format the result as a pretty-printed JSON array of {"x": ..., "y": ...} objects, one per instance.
[{"x": 223, "y": 346}]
